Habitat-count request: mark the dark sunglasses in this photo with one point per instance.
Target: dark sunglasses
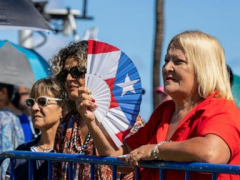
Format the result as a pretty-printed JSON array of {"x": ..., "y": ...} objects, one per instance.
[
  {"x": 74, "y": 71},
  {"x": 41, "y": 101}
]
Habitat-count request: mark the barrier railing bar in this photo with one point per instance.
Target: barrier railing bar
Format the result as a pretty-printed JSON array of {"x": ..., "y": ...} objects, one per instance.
[
  {"x": 92, "y": 171},
  {"x": 114, "y": 172},
  {"x": 214, "y": 176},
  {"x": 162, "y": 174},
  {"x": 199, "y": 167},
  {"x": 30, "y": 169},
  {"x": 49, "y": 170},
  {"x": 137, "y": 173},
  {"x": 12, "y": 168},
  {"x": 70, "y": 170},
  {"x": 187, "y": 177}
]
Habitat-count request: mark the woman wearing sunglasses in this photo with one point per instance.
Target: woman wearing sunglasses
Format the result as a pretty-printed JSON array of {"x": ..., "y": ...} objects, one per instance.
[
  {"x": 73, "y": 136},
  {"x": 45, "y": 104}
]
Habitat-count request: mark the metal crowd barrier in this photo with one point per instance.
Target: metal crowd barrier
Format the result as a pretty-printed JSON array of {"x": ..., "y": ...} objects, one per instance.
[{"x": 114, "y": 162}]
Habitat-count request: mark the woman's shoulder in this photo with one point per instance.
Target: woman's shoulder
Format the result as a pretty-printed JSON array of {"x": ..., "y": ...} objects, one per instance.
[
  {"x": 28, "y": 145},
  {"x": 219, "y": 108},
  {"x": 71, "y": 117},
  {"x": 71, "y": 114},
  {"x": 222, "y": 104}
]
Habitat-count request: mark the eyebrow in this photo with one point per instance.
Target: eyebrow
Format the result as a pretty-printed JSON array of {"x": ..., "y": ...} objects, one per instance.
[{"x": 69, "y": 66}]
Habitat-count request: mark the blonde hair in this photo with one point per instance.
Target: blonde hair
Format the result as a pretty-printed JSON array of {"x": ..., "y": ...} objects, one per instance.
[{"x": 207, "y": 56}]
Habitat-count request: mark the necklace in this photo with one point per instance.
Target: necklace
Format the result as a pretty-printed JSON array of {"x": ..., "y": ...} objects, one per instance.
[
  {"x": 44, "y": 149},
  {"x": 83, "y": 147}
]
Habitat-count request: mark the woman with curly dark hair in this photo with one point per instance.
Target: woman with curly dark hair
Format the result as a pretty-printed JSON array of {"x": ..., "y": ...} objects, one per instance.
[{"x": 69, "y": 67}]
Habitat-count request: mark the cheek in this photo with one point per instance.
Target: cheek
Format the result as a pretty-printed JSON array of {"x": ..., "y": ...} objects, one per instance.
[{"x": 189, "y": 79}]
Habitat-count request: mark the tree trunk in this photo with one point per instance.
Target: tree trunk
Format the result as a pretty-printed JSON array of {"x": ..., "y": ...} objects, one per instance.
[{"x": 157, "y": 50}]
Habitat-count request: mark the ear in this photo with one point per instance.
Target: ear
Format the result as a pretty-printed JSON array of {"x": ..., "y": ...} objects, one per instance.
[{"x": 3, "y": 93}]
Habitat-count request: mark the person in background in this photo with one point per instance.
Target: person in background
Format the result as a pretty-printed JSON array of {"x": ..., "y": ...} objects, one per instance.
[
  {"x": 21, "y": 115},
  {"x": 45, "y": 104},
  {"x": 11, "y": 133},
  {"x": 24, "y": 94},
  {"x": 199, "y": 124},
  {"x": 230, "y": 73},
  {"x": 163, "y": 96}
]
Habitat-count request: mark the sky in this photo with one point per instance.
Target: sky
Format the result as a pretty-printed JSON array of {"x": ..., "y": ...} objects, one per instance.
[{"x": 129, "y": 25}]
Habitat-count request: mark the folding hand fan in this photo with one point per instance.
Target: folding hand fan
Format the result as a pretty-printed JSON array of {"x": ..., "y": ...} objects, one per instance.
[{"x": 115, "y": 85}]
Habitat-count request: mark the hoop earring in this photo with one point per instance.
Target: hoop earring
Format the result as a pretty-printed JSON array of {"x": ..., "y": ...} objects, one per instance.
[{"x": 199, "y": 91}]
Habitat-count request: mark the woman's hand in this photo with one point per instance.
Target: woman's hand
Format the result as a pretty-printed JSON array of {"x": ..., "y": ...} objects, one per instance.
[
  {"x": 85, "y": 104},
  {"x": 142, "y": 153}
]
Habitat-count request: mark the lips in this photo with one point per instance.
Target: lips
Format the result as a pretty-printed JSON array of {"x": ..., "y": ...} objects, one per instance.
[
  {"x": 72, "y": 87},
  {"x": 170, "y": 79},
  {"x": 36, "y": 116}
]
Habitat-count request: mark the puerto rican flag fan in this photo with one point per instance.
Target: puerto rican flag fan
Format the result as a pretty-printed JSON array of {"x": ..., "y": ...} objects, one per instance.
[{"x": 116, "y": 87}]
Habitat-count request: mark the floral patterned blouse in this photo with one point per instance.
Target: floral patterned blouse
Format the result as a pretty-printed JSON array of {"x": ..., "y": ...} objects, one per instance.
[
  {"x": 11, "y": 136},
  {"x": 68, "y": 141}
]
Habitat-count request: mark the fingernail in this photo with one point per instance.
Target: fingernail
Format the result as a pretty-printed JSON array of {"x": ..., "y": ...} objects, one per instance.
[
  {"x": 93, "y": 100},
  {"x": 95, "y": 106}
]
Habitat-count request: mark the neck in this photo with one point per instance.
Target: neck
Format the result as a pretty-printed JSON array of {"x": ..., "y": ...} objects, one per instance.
[
  {"x": 48, "y": 137},
  {"x": 186, "y": 105}
]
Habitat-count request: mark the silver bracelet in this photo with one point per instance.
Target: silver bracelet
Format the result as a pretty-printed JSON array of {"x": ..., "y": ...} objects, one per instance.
[{"x": 154, "y": 154}]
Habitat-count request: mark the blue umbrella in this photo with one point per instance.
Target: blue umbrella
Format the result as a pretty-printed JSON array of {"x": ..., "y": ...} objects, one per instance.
[{"x": 21, "y": 66}]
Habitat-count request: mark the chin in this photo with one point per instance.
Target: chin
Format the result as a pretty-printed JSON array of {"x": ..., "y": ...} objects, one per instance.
[{"x": 73, "y": 96}]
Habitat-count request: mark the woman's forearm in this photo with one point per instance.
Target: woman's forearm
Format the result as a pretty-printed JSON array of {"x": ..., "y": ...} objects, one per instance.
[
  {"x": 104, "y": 145},
  {"x": 209, "y": 149}
]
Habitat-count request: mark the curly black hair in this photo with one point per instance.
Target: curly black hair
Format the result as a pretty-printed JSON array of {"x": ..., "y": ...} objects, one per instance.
[{"x": 77, "y": 50}]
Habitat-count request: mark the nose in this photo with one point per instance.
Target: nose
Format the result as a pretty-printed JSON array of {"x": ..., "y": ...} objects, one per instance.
[
  {"x": 69, "y": 77},
  {"x": 168, "y": 66},
  {"x": 35, "y": 106}
]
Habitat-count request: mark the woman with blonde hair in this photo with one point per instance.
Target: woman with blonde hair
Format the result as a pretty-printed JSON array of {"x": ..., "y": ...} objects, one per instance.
[{"x": 199, "y": 124}]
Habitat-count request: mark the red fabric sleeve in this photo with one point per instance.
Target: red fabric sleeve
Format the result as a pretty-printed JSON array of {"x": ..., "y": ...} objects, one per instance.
[
  {"x": 144, "y": 134},
  {"x": 222, "y": 120}
]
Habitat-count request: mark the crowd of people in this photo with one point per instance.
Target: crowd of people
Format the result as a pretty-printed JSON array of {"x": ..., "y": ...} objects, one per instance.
[{"x": 197, "y": 120}]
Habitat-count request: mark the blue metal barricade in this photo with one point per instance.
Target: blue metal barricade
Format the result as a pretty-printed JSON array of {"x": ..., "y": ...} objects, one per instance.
[{"x": 114, "y": 162}]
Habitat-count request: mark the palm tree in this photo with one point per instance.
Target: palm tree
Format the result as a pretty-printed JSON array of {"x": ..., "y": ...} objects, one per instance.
[{"x": 157, "y": 49}]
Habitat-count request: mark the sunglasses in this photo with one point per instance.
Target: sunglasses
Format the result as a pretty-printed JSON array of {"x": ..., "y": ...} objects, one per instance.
[
  {"x": 41, "y": 101},
  {"x": 74, "y": 71}
]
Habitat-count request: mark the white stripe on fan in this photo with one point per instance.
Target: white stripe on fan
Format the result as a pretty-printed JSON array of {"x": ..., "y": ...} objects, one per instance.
[{"x": 103, "y": 65}]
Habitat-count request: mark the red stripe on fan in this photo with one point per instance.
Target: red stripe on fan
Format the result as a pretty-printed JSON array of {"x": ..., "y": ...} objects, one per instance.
[
  {"x": 121, "y": 135},
  {"x": 113, "y": 102},
  {"x": 96, "y": 47}
]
